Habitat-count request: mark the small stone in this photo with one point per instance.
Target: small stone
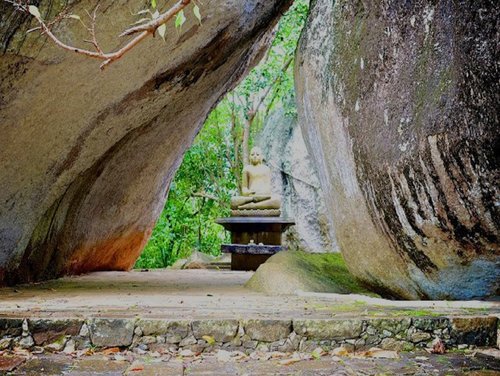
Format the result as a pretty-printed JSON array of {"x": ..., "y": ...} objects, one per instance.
[
  {"x": 186, "y": 353},
  {"x": 308, "y": 346},
  {"x": 390, "y": 325},
  {"x": 250, "y": 344},
  {"x": 262, "y": 347},
  {"x": 418, "y": 337},
  {"x": 111, "y": 332},
  {"x": 25, "y": 328},
  {"x": 236, "y": 341},
  {"x": 220, "y": 330},
  {"x": 138, "y": 331},
  {"x": 392, "y": 344},
  {"x": 84, "y": 331},
  {"x": 139, "y": 351},
  {"x": 359, "y": 343},
  {"x": 26, "y": 342},
  {"x": 190, "y": 340},
  {"x": 241, "y": 331},
  {"x": 431, "y": 323},
  {"x": 349, "y": 347},
  {"x": 57, "y": 345},
  {"x": 37, "y": 350},
  {"x": 47, "y": 331},
  {"x": 160, "y": 339},
  {"x": 148, "y": 340},
  {"x": 462, "y": 346},
  {"x": 268, "y": 330},
  {"x": 70, "y": 347},
  {"x": 223, "y": 356},
  {"x": 386, "y": 334}
]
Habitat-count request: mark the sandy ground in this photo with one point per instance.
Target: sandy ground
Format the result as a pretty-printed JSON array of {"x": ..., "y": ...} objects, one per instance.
[{"x": 200, "y": 293}]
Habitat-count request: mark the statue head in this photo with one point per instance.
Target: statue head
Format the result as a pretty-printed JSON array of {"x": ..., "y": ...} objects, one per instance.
[{"x": 256, "y": 156}]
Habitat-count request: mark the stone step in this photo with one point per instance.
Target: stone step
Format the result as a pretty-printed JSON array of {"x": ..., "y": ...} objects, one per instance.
[
  {"x": 286, "y": 335},
  {"x": 252, "y": 249}
]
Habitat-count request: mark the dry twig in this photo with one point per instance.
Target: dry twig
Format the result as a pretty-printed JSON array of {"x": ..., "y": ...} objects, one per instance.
[{"x": 142, "y": 31}]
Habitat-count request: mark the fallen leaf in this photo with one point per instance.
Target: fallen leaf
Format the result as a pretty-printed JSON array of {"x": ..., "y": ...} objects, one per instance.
[
  {"x": 210, "y": 340},
  {"x": 111, "y": 350}
]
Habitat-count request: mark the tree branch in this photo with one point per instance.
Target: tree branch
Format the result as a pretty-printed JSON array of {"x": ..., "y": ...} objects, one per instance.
[{"x": 144, "y": 30}]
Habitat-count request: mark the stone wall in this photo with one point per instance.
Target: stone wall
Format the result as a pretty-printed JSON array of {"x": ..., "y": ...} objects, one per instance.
[{"x": 283, "y": 335}]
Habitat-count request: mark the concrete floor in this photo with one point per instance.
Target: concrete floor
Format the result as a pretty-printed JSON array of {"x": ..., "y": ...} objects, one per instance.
[{"x": 194, "y": 294}]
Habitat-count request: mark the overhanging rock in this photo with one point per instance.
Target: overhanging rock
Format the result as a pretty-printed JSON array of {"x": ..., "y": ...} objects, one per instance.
[{"x": 87, "y": 156}]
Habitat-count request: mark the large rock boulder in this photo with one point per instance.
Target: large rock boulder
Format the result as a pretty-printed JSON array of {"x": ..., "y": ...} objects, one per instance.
[
  {"x": 399, "y": 104},
  {"x": 295, "y": 179},
  {"x": 87, "y": 156},
  {"x": 289, "y": 271}
]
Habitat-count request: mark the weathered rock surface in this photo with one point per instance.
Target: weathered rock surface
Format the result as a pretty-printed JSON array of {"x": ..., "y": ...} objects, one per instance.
[
  {"x": 87, "y": 156},
  {"x": 295, "y": 179},
  {"x": 288, "y": 271},
  {"x": 399, "y": 107}
]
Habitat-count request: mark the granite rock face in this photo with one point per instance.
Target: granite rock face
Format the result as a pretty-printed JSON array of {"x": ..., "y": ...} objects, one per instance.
[
  {"x": 398, "y": 103},
  {"x": 87, "y": 156},
  {"x": 295, "y": 179}
]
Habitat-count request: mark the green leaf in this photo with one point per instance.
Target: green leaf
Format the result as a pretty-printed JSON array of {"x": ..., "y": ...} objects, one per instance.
[
  {"x": 210, "y": 340},
  {"x": 197, "y": 14},
  {"x": 34, "y": 12},
  {"x": 161, "y": 30},
  {"x": 180, "y": 19},
  {"x": 153, "y": 4}
]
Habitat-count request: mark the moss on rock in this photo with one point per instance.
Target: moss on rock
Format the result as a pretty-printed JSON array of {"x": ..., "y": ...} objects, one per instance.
[{"x": 286, "y": 272}]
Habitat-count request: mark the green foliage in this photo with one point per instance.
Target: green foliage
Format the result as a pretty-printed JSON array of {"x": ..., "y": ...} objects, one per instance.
[
  {"x": 207, "y": 177},
  {"x": 271, "y": 68},
  {"x": 198, "y": 195}
]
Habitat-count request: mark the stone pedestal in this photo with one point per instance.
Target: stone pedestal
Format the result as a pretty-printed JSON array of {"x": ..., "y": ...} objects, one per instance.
[{"x": 253, "y": 239}]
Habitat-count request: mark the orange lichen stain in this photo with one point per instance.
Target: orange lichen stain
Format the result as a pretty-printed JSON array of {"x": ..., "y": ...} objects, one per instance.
[{"x": 116, "y": 253}]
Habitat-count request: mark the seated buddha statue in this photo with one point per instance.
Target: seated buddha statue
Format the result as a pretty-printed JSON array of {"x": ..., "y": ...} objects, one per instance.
[{"x": 256, "y": 198}]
